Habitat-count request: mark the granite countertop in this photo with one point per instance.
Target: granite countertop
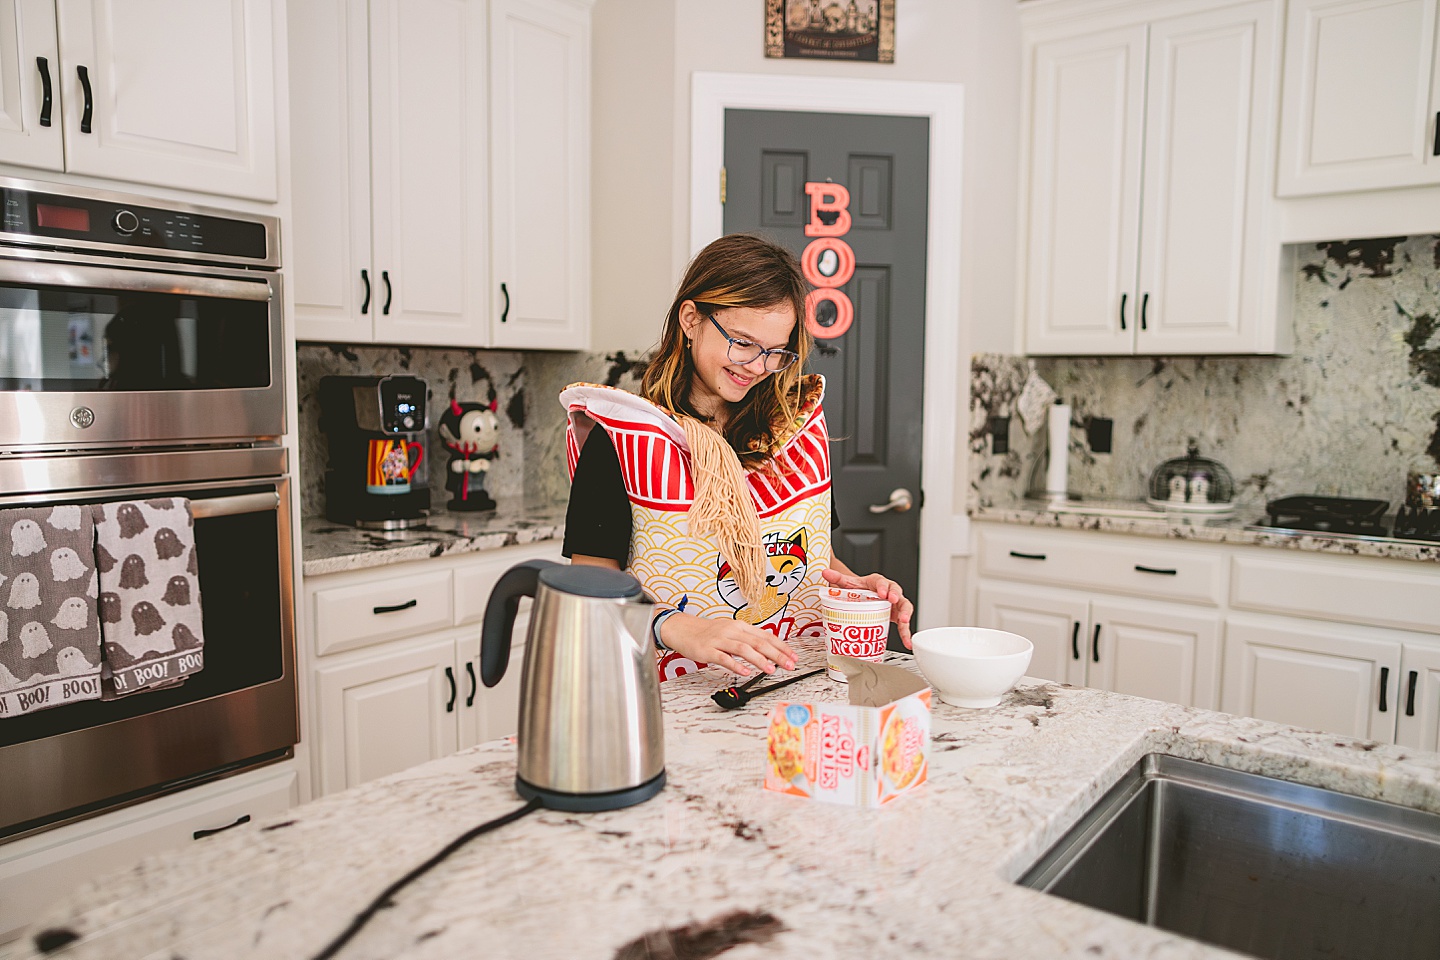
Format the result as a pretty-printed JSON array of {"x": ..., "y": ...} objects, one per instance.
[
  {"x": 1209, "y": 531},
  {"x": 332, "y": 548},
  {"x": 930, "y": 875}
]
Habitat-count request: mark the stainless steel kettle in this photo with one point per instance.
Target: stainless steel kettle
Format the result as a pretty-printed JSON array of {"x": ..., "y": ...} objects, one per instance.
[{"x": 590, "y": 724}]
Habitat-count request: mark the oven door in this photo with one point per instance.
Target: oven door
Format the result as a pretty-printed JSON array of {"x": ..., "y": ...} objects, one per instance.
[
  {"x": 94, "y": 352},
  {"x": 239, "y": 711}
]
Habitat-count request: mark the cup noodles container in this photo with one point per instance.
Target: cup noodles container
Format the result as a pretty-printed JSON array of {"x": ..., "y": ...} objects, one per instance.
[
  {"x": 857, "y": 624},
  {"x": 865, "y": 753}
]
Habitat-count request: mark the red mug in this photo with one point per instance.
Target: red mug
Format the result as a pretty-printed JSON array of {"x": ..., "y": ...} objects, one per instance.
[{"x": 390, "y": 465}]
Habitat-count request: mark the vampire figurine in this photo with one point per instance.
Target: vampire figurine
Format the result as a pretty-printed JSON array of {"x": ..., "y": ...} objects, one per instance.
[{"x": 470, "y": 432}]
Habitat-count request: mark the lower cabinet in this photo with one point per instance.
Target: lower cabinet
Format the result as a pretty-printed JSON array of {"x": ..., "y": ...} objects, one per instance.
[
  {"x": 400, "y": 700},
  {"x": 1418, "y": 720},
  {"x": 37, "y": 871},
  {"x": 1162, "y": 651}
]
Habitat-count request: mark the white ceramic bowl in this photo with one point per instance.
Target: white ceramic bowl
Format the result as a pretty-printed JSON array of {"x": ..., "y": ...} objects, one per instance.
[{"x": 971, "y": 666}]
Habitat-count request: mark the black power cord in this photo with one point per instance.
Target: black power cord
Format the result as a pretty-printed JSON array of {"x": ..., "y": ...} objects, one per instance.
[{"x": 383, "y": 900}]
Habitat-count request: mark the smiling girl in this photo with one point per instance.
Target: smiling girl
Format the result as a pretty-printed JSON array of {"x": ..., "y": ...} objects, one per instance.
[{"x": 713, "y": 486}]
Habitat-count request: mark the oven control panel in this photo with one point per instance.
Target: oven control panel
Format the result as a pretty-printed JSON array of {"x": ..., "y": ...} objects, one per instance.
[{"x": 110, "y": 221}]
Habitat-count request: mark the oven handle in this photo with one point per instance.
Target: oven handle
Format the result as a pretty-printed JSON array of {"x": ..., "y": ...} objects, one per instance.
[
  {"x": 109, "y": 278},
  {"x": 230, "y": 506}
]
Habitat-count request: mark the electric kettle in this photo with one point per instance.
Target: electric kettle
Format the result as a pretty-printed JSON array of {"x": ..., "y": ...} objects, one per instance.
[{"x": 590, "y": 725}]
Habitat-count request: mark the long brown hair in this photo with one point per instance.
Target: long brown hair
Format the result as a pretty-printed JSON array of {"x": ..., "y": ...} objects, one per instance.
[{"x": 738, "y": 270}]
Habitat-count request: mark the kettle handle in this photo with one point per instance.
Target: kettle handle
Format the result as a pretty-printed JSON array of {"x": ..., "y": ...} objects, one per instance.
[{"x": 521, "y": 580}]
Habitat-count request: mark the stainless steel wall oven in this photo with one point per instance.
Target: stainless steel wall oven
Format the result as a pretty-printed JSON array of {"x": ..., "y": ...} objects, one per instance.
[{"x": 141, "y": 356}]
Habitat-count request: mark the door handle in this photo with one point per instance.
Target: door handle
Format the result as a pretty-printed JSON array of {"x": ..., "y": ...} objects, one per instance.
[
  {"x": 202, "y": 834},
  {"x": 43, "y": 66},
  {"x": 505, "y": 313},
  {"x": 1165, "y": 571},
  {"x": 470, "y": 672},
  {"x": 1410, "y": 697},
  {"x": 84, "y": 75},
  {"x": 1384, "y": 687},
  {"x": 1144, "y": 309},
  {"x": 385, "y": 278},
  {"x": 1075, "y": 641},
  {"x": 396, "y": 608},
  {"x": 365, "y": 279},
  {"x": 1027, "y": 556},
  {"x": 1095, "y": 645},
  {"x": 900, "y": 501},
  {"x": 1123, "y": 298},
  {"x": 450, "y": 679}
]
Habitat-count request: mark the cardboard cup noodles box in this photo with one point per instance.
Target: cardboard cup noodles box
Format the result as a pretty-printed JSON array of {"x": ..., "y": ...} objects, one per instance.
[{"x": 864, "y": 753}]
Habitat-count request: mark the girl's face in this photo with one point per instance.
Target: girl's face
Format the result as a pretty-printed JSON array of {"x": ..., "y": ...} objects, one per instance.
[{"x": 719, "y": 380}]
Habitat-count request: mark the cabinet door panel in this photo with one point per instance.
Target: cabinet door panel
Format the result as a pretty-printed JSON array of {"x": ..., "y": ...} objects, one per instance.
[
  {"x": 197, "y": 115},
  {"x": 427, "y": 109},
  {"x": 382, "y": 714},
  {"x": 1311, "y": 675},
  {"x": 540, "y": 133},
  {"x": 1337, "y": 134},
  {"x": 1207, "y": 180},
  {"x": 330, "y": 170},
  {"x": 27, "y": 31},
  {"x": 1419, "y": 722},
  {"x": 1054, "y": 621},
  {"x": 1084, "y": 192},
  {"x": 1160, "y": 652}
]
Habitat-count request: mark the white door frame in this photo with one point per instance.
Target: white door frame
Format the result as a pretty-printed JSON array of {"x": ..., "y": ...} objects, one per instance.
[{"x": 944, "y": 105}]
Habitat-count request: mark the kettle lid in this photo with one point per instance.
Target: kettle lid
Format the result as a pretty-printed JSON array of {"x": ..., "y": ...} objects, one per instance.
[{"x": 587, "y": 581}]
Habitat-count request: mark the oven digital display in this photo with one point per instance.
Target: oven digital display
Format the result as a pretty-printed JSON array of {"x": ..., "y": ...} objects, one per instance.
[{"x": 55, "y": 217}]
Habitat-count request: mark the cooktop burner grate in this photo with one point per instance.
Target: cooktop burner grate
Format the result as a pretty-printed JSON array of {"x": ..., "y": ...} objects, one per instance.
[{"x": 1327, "y": 515}]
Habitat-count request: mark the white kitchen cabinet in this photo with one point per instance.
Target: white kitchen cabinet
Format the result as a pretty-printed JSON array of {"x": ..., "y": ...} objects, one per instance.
[
  {"x": 540, "y": 163},
  {"x": 397, "y": 663},
  {"x": 1149, "y": 226},
  {"x": 37, "y": 871},
  {"x": 1342, "y": 679},
  {"x": 130, "y": 102},
  {"x": 1162, "y": 651},
  {"x": 388, "y": 131},
  {"x": 1361, "y": 96},
  {"x": 1418, "y": 722}
]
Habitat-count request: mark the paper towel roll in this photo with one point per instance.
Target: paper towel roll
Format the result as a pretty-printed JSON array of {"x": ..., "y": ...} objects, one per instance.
[{"x": 1056, "y": 476}]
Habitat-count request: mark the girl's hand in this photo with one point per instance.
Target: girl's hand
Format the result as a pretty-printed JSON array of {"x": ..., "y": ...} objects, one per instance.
[
  {"x": 900, "y": 609},
  {"x": 730, "y": 643}
]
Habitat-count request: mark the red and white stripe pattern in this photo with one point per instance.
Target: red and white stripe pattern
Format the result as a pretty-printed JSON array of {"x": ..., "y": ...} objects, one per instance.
[{"x": 656, "y": 468}]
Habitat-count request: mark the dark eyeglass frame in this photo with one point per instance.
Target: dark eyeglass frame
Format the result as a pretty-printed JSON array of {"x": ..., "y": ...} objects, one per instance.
[{"x": 787, "y": 358}]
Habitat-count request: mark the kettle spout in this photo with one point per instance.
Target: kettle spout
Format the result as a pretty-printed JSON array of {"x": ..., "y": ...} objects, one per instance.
[{"x": 635, "y": 614}]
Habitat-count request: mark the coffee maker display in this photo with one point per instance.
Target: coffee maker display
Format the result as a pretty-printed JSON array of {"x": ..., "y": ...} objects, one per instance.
[{"x": 376, "y": 432}]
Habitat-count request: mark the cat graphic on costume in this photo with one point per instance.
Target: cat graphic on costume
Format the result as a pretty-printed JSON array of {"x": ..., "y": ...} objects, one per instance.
[{"x": 788, "y": 558}]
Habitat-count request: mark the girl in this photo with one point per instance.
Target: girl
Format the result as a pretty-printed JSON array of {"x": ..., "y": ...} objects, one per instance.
[{"x": 713, "y": 485}]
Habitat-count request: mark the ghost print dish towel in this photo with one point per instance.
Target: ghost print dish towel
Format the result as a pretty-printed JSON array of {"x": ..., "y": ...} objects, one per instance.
[
  {"x": 49, "y": 633},
  {"x": 149, "y": 600}
]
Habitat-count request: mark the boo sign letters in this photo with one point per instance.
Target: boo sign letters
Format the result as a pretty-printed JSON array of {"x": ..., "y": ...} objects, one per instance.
[{"x": 827, "y": 262}]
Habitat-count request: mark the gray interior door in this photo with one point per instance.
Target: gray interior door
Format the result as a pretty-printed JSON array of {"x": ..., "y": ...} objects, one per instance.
[{"x": 874, "y": 372}]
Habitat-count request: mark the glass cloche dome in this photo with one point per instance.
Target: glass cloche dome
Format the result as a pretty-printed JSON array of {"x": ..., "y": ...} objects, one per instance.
[{"x": 1192, "y": 483}]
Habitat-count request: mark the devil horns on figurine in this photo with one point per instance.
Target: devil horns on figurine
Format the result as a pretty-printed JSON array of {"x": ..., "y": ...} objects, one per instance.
[{"x": 470, "y": 432}]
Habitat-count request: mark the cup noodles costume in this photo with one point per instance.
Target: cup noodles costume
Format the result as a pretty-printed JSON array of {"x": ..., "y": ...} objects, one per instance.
[{"x": 688, "y": 573}]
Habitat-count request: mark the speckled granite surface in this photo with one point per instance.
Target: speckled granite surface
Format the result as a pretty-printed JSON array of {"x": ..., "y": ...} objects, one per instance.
[
  {"x": 1228, "y": 531},
  {"x": 332, "y": 548},
  {"x": 929, "y": 876}
]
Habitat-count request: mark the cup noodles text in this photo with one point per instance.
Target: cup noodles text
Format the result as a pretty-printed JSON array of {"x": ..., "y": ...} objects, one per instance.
[{"x": 866, "y": 752}]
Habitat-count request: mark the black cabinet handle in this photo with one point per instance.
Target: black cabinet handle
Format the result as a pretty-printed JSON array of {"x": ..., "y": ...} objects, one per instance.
[
  {"x": 201, "y": 834},
  {"x": 89, "y": 98},
  {"x": 1027, "y": 556},
  {"x": 1144, "y": 309},
  {"x": 1123, "y": 297},
  {"x": 1164, "y": 573},
  {"x": 470, "y": 671},
  {"x": 505, "y": 311},
  {"x": 450, "y": 679},
  {"x": 1436, "y": 151},
  {"x": 1075, "y": 641},
  {"x": 365, "y": 279},
  {"x": 1095, "y": 645},
  {"x": 43, "y": 66},
  {"x": 397, "y": 607},
  {"x": 1410, "y": 697},
  {"x": 1384, "y": 687},
  {"x": 385, "y": 278}
]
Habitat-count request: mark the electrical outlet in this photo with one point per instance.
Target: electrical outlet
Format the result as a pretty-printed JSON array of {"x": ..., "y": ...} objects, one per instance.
[
  {"x": 1099, "y": 434},
  {"x": 999, "y": 430}
]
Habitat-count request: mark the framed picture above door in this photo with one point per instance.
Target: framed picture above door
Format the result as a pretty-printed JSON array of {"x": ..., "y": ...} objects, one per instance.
[{"x": 831, "y": 29}]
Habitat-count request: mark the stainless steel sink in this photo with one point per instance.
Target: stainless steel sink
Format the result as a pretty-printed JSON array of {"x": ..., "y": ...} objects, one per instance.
[{"x": 1254, "y": 864}]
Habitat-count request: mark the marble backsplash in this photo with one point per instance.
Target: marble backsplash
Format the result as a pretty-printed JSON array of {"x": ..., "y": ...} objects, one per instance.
[
  {"x": 524, "y": 384},
  {"x": 1349, "y": 413}
]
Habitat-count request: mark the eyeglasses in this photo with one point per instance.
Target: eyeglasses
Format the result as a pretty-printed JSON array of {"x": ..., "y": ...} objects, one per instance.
[{"x": 746, "y": 351}]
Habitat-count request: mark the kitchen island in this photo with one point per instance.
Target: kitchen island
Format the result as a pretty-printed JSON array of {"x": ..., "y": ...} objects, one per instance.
[{"x": 930, "y": 875}]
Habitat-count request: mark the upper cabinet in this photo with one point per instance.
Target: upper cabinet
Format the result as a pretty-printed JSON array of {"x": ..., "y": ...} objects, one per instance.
[
  {"x": 103, "y": 88},
  {"x": 440, "y": 169},
  {"x": 1148, "y": 224},
  {"x": 1362, "y": 96}
]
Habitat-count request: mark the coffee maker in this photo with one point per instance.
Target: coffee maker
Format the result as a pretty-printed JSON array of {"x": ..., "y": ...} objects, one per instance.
[{"x": 376, "y": 432}]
